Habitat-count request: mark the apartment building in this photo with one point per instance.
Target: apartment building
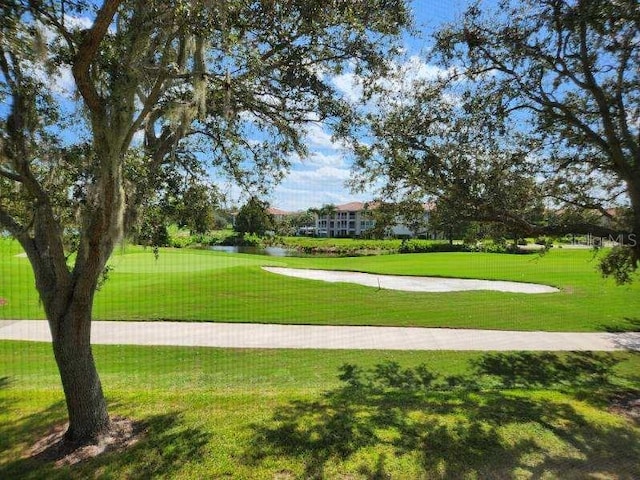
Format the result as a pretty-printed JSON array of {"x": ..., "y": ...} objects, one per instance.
[
  {"x": 355, "y": 218},
  {"x": 348, "y": 220},
  {"x": 352, "y": 219}
]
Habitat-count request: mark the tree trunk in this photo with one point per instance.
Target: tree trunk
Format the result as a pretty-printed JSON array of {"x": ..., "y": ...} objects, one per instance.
[
  {"x": 634, "y": 196},
  {"x": 86, "y": 405}
]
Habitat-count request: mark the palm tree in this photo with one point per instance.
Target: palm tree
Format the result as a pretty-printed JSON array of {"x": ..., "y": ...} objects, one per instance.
[{"x": 327, "y": 211}]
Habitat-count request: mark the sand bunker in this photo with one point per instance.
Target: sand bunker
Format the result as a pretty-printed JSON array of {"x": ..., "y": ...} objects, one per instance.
[{"x": 413, "y": 284}]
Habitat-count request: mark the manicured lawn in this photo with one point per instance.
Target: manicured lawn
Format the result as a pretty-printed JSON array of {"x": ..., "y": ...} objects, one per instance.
[
  {"x": 214, "y": 413},
  {"x": 201, "y": 285}
]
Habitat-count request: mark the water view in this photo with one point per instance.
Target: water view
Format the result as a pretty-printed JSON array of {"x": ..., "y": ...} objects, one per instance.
[{"x": 268, "y": 251}]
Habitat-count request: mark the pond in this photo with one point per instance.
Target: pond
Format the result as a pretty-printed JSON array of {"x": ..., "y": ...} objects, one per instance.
[{"x": 268, "y": 251}]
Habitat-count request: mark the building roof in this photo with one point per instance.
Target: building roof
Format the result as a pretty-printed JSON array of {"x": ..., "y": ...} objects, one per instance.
[
  {"x": 359, "y": 206},
  {"x": 350, "y": 207},
  {"x": 277, "y": 211}
]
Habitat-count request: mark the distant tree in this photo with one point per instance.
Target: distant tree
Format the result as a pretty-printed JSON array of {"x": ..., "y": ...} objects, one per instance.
[
  {"x": 254, "y": 218},
  {"x": 444, "y": 219},
  {"x": 326, "y": 211},
  {"x": 383, "y": 217},
  {"x": 224, "y": 217},
  {"x": 304, "y": 219},
  {"x": 221, "y": 221},
  {"x": 386, "y": 215},
  {"x": 151, "y": 229},
  {"x": 293, "y": 222},
  {"x": 197, "y": 207},
  {"x": 415, "y": 216},
  {"x": 182, "y": 195}
]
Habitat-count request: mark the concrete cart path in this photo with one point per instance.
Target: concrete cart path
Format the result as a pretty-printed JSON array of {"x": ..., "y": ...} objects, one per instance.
[{"x": 243, "y": 335}]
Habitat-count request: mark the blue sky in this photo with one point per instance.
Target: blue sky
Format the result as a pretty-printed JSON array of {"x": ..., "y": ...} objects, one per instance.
[{"x": 320, "y": 178}]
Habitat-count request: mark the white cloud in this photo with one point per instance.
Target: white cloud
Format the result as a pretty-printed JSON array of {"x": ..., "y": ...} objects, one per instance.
[
  {"x": 325, "y": 160},
  {"x": 61, "y": 83},
  {"x": 305, "y": 188},
  {"x": 82, "y": 23},
  {"x": 138, "y": 138},
  {"x": 324, "y": 176},
  {"x": 321, "y": 177},
  {"x": 317, "y": 136},
  {"x": 317, "y": 158},
  {"x": 401, "y": 80},
  {"x": 349, "y": 85},
  {"x": 297, "y": 199},
  {"x": 416, "y": 69}
]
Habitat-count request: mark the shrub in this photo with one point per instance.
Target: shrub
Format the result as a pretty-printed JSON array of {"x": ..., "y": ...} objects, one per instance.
[{"x": 418, "y": 246}]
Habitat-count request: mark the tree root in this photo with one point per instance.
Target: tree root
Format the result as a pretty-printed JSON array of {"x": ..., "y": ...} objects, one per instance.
[{"x": 123, "y": 433}]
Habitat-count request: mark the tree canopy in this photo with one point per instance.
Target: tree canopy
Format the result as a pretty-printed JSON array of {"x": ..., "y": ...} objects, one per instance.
[
  {"x": 230, "y": 83},
  {"x": 536, "y": 104},
  {"x": 254, "y": 218}
]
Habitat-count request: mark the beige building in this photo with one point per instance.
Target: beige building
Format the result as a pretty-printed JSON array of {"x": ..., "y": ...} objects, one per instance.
[
  {"x": 348, "y": 220},
  {"x": 355, "y": 219},
  {"x": 352, "y": 219}
]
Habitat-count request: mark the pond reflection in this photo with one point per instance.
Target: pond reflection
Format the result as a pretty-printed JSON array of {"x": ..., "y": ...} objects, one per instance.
[{"x": 268, "y": 251}]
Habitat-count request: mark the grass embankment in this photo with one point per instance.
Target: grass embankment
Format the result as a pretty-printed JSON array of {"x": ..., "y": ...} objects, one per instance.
[
  {"x": 363, "y": 247},
  {"x": 201, "y": 285},
  {"x": 180, "y": 238},
  {"x": 213, "y": 413}
]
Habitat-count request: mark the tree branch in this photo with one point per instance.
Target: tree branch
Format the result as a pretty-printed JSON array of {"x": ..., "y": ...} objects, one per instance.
[
  {"x": 10, "y": 223},
  {"x": 37, "y": 10},
  {"x": 86, "y": 53},
  {"x": 601, "y": 100},
  {"x": 11, "y": 175}
]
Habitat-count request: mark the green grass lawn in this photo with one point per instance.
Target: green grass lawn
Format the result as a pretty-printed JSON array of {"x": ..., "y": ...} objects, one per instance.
[
  {"x": 287, "y": 414},
  {"x": 215, "y": 413},
  {"x": 199, "y": 285}
]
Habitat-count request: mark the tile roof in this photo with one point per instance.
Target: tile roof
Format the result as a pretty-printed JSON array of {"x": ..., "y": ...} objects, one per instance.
[
  {"x": 277, "y": 211},
  {"x": 350, "y": 207}
]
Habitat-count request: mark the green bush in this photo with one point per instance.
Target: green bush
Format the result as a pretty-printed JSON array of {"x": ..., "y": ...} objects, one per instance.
[
  {"x": 422, "y": 246},
  {"x": 180, "y": 241}
]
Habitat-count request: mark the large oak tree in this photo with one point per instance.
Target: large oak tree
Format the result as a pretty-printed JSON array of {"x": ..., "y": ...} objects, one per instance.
[
  {"x": 230, "y": 82},
  {"x": 542, "y": 90}
]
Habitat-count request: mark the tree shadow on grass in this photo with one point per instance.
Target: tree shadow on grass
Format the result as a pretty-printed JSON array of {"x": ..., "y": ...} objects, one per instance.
[
  {"x": 4, "y": 401},
  {"x": 629, "y": 325},
  {"x": 484, "y": 425},
  {"x": 27, "y": 428},
  {"x": 164, "y": 445},
  {"x": 578, "y": 370},
  {"x": 167, "y": 444}
]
